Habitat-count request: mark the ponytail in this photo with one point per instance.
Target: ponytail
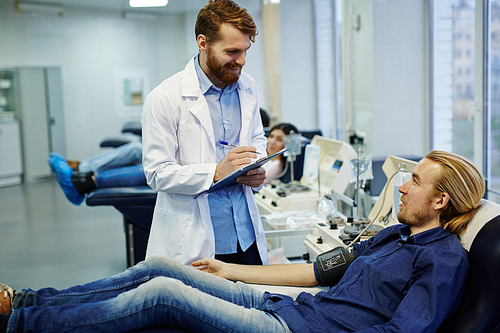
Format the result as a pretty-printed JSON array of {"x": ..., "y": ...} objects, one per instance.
[{"x": 465, "y": 186}]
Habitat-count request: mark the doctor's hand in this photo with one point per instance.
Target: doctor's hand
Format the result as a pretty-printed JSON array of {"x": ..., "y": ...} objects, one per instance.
[
  {"x": 253, "y": 178},
  {"x": 212, "y": 266},
  {"x": 236, "y": 158}
]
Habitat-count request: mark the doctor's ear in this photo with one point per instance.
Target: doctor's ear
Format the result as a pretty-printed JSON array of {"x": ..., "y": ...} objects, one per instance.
[{"x": 202, "y": 42}]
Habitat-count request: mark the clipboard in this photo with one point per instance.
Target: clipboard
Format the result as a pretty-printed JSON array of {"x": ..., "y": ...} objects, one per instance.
[{"x": 231, "y": 178}]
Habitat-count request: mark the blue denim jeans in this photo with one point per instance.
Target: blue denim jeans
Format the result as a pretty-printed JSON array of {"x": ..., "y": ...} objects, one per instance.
[
  {"x": 126, "y": 155},
  {"x": 121, "y": 177},
  {"x": 156, "y": 291}
]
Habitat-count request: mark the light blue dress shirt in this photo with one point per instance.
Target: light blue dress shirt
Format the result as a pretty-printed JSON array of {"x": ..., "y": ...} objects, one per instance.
[{"x": 228, "y": 207}]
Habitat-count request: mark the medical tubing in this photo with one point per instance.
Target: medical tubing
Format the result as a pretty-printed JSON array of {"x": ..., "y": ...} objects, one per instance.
[{"x": 378, "y": 213}]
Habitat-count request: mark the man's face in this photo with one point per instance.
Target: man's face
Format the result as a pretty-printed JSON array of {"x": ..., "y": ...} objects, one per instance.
[
  {"x": 416, "y": 208},
  {"x": 226, "y": 57}
]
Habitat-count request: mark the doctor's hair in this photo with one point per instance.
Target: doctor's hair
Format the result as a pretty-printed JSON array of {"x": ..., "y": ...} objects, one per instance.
[
  {"x": 464, "y": 184},
  {"x": 217, "y": 12}
]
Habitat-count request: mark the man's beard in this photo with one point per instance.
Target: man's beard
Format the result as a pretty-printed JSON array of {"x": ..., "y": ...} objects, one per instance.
[
  {"x": 416, "y": 219},
  {"x": 221, "y": 71}
]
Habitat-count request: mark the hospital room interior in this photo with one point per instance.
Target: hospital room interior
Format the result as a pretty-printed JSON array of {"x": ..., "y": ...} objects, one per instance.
[{"x": 371, "y": 85}]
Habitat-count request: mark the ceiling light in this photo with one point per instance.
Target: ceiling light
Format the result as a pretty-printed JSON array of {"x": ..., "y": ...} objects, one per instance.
[
  {"x": 39, "y": 8},
  {"x": 147, "y": 3}
]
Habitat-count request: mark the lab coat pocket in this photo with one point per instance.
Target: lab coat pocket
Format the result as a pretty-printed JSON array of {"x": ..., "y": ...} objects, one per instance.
[
  {"x": 189, "y": 143},
  {"x": 170, "y": 233}
]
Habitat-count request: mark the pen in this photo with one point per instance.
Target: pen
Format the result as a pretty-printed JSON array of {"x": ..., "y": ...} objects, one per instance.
[{"x": 225, "y": 143}]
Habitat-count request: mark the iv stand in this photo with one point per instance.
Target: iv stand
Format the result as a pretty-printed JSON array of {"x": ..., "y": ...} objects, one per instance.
[{"x": 358, "y": 183}]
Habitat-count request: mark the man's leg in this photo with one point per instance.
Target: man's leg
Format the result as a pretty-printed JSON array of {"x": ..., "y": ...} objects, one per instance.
[
  {"x": 213, "y": 305},
  {"x": 128, "y": 154},
  {"x": 120, "y": 177},
  {"x": 133, "y": 277}
]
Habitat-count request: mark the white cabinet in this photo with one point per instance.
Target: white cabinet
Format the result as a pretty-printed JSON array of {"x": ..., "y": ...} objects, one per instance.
[
  {"x": 10, "y": 154},
  {"x": 41, "y": 117},
  {"x": 33, "y": 95}
]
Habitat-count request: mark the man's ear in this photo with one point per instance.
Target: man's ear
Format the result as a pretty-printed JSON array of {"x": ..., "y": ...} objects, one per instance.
[
  {"x": 441, "y": 201},
  {"x": 202, "y": 42}
]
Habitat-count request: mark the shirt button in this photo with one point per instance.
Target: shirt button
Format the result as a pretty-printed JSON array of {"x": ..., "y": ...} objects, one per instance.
[
  {"x": 312, "y": 299},
  {"x": 295, "y": 303}
]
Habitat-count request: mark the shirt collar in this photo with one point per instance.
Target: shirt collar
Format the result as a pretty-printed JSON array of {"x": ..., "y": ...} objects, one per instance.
[
  {"x": 205, "y": 83},
  {"x": 424, "y": 237}
]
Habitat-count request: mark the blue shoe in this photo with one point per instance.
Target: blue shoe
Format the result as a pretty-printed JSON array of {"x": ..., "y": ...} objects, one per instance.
[
  {"x": 63, "y": 174},
  {"x": 57, "y": 156}
]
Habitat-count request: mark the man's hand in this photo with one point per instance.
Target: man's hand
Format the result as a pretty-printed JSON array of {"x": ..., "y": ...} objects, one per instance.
[
  {"x": 253, "y": 178},
  {"x": 235, "y": 159},
  {"x": 211, "y": 266}
]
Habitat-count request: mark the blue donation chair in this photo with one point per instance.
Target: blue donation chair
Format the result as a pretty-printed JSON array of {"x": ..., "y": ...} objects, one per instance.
[{"x": 136, "y": 205}]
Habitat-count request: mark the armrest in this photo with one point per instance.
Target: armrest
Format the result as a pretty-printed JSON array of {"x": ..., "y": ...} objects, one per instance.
[
  {"x": 118, "y": 196},
  {"x": 133, "y": 127},
  {"x": 114, "y": 142}
]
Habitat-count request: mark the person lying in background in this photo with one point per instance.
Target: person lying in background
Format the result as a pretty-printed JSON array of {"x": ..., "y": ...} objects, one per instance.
[
  {"x": 408, "y": 278},
  {"x": 118, "y": 167},
  {"x": 276, "y": 142}
]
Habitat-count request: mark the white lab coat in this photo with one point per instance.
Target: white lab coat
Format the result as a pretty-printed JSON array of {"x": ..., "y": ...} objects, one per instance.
[{"x": 179, "y": 161}]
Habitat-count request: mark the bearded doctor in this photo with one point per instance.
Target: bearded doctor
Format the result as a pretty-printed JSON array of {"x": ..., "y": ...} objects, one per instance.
[{"x": 183, "y": 121}]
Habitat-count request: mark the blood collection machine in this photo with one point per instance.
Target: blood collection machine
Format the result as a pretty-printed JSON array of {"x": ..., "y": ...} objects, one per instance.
[{"x": 301, "y": 199}]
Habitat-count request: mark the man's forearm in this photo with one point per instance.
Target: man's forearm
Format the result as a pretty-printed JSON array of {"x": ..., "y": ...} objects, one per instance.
[{"x": 299, "y": 275}]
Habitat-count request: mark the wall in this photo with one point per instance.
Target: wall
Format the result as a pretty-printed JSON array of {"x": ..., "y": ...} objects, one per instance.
[
  {"x": 93, "y": 47},
  {"x": 298, "y": 65},
  {"x": 400, "y": 72},
  {"x": 387, "y": 62}
]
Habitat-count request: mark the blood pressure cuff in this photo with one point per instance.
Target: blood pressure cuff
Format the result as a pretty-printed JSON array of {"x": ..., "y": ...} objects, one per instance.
[{"x": 331, "y": 266}]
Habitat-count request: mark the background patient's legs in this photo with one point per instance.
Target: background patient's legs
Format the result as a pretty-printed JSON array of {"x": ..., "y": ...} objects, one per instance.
[{"x": 128, "y": 154}]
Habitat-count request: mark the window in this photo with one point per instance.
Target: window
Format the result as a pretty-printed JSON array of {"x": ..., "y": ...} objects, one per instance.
[
  {"x": 328, "y": 32},
  {"x": 493, "y": 93},
  {"x": 452, "y": 102}
]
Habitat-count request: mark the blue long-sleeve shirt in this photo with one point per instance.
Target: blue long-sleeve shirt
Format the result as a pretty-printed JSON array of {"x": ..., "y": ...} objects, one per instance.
[{"x": 397, "y": 283}]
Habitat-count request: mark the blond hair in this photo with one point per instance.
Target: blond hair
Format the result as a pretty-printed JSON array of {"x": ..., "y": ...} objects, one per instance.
[{"x": 464, "y": 184}]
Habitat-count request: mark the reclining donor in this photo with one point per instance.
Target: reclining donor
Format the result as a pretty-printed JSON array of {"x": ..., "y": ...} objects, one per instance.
[{"x": 408, "y": 278}]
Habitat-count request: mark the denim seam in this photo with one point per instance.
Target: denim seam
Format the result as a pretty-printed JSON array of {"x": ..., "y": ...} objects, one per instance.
[{"x": 139, "y": 281}]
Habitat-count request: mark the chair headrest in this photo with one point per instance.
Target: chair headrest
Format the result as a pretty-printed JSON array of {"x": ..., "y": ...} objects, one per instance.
[{"x": 486, "y": 213}]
